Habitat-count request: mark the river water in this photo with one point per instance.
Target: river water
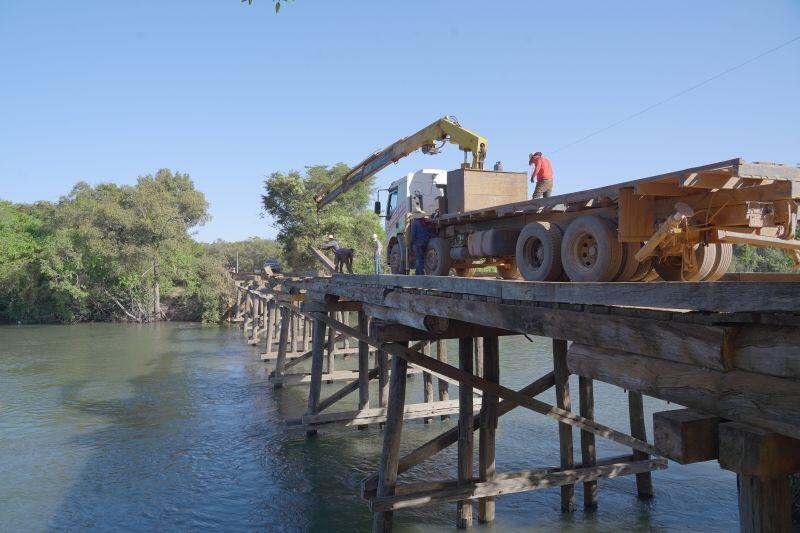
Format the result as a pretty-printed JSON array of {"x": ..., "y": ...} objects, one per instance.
[{"x": 115, "y": 427}]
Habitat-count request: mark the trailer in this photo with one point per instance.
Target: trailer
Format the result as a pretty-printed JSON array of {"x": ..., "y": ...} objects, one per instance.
[{"x": 679, "y": 226}]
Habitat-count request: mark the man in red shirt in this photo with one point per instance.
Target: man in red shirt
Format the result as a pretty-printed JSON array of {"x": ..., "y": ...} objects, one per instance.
[{"x": 543, "y": 172}]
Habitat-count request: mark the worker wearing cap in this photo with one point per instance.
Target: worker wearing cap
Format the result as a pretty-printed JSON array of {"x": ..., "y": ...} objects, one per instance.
[
  {"x": 543, "y": 173},
  {"x": 377, "y": 249}
]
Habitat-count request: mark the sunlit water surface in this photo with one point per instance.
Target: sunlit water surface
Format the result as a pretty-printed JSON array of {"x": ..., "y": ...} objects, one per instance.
[{"x": 174, "y": 427}]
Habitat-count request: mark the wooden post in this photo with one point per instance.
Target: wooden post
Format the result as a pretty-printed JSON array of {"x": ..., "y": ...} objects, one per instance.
[
  {"x": 331, "y": 347},
  {"x": 427, "y": 382},
  {"x": 383, "y": 378},
  {"x": 280, "y": 364},
  {"x": 588, "y": 451},
  {"x": 478, "y": 356},
  {"x": 764, "y": 504},
  {"x": 258, "y": 309},
  {"x": 292, "y": 331},
  {"x": 248, "y": 306},
  {"x": 272, "y": 311},
  {"x": 390, "y": 456},
  {"x": 317, "y": 348},
  {"x": 644, "y": 481},
  {"x": 238, "y": 306},
  {"x": 486, "y": 435},
  {"x": 466, "y": 434},
  {"x": 561, "y": 374},
  {"x": 441, "y": 355},
  {"x": 363, "y": 363}
]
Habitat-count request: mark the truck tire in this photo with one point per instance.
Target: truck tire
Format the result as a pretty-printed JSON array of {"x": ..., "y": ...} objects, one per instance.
[
  {"x": 509, "y": 270},
  {"x": 396, "y": 258},
  {"x": 722, "y": 262},
  {"x": 671, "y": 268},
  {"x": 539, "y": 252},
  {"x": 437, "y": 257},
  {"x": 642, "y": 270},
  {"x": 590, "y": 250}
]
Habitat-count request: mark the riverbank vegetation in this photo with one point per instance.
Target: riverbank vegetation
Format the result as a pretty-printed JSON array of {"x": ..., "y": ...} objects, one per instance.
[{"x": 113, "y": 252}]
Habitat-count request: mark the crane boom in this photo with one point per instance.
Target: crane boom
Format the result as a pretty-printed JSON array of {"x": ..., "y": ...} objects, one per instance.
[{"x": 444, "y": 129}]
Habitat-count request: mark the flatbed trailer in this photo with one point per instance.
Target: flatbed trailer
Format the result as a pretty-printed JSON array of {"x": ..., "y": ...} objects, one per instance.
[{"x": 680, "y": 226}]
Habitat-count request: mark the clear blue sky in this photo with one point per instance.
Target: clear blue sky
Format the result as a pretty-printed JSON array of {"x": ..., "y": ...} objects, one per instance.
[{"x": 108, "y": 90}]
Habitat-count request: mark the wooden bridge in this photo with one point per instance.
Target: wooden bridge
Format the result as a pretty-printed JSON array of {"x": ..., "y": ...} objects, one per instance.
[{"x": 727, "y": 351}]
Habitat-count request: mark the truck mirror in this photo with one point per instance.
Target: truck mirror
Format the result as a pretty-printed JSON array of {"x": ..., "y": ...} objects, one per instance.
[{"x": 378, "y": 208}]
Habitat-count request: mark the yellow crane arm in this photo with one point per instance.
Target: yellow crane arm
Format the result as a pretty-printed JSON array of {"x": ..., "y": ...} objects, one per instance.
[{"x": 444, "y": 129}]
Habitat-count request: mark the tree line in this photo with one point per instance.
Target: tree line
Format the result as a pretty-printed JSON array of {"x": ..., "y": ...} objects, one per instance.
[{"x": 117, "y": 252}]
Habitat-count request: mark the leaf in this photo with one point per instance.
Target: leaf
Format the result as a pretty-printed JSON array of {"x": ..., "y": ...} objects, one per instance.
[{"x": 277, "y": 7}]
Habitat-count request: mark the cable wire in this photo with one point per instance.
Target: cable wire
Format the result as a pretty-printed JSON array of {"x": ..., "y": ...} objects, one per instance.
[{"x": 678, "y": 94}]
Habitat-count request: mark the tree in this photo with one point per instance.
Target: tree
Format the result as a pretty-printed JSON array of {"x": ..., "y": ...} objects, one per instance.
[
  {"x": 289, "y": 201},
  {"x": 249, "y": 254}
]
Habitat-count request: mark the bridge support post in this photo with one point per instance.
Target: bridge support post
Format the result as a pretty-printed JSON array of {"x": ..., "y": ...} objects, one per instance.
[
  {"x": 317, "y": 352},
  {"x": 280, "y": 364},
  {"x": 588, "y": 451},
  {"x": 644, "y": 480},
  {"x": 561, "y": 374},
  {"x": 486, "y": 435},
  {"x": 441, "y": 355},
  {"x": 466, "y": 433}
]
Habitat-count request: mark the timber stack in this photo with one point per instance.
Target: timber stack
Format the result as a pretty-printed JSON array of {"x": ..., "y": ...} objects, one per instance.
[{"x": 728, "y": 352}]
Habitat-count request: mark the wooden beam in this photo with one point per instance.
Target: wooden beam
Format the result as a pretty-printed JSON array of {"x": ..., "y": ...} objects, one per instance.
[
  {"x": 280, "y": 364},
  {"x": 756, "y": 452},
  {"x": 588, "y": 450},
  {"x": 317, "y": 348},
  {"x": 429, "y": 323},
  {"x": 686, "y": 436},
  {"x": 465, "y": 432},
  {"x": 387, "y": 469},
  {"x": 764, "y": 504},
  {"x": 393, "y": 332},
  {"x": 320, "y": 307},
  {"x": 561, "y": 374},
  {"x": 644, "y": 482},
  {"x": 364, "y": 373},
  {"x": 514, "y": 482},
  {"x": 763, "y": 401},
  {"x": 488, "y": 428},
  {"x": 375, "y": 415}
]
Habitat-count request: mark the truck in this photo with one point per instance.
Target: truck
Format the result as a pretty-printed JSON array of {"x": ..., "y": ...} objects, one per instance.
[{"x": 677, "y": 226}]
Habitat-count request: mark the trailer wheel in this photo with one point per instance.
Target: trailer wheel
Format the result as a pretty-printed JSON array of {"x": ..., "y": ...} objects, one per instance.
[
  {"x": 643, "y": 270},
  {"x": 509, "y": 270},
  {"x": 465, "y": 272},
  {"x": 722, "y": 262},
  {"x": 630, "y": 266},
  {"x": 590, "y": 250},
  {"x": 539, "y": 252},
  {"x": 396, "y": 258},
  {"x": 671, "y": 268},
  {"x": 437, "y": 257}
]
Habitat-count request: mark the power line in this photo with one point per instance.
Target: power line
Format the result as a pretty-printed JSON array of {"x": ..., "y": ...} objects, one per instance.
[{"x": 676, "y": 95}]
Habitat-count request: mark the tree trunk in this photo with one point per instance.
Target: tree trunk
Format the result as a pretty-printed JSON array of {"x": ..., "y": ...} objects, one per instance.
[{"x": 156, "y": 290}]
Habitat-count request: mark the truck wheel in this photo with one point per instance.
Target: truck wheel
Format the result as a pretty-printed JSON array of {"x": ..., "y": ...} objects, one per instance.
[
  {"x": 671, "y": 268},
  {"x": 538, "y": 252},
  {"x": 642, "y": 270},
  {"x": 437, "y": 257},
  {"x": 590, "y": 250},
  {"x": 465, "y": 272},
  {"x": 509, "y": 270},
  {"x": 396, "y": 259},
  {"x": 722, "y": 262}
]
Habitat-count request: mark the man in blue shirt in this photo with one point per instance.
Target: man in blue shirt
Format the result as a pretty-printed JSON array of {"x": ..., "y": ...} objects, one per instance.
[{"x": 420, "y": 235}]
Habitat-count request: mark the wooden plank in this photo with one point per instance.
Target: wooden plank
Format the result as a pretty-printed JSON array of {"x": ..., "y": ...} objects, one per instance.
[
  {"x": 588, "y": 450},
  {"x": 768, "y": 350},
  {"x": 345, "y": 391},
  {"x": 644, "y": 482},
  {"x": 387, "y": 469},
  {"x": 488, "y": 429},
  {"x": 466, "y": 433},
  {"x": 764, "y": 401},
  {"x": 561, "y": 374},
  {"x": 515, "y": 482},
  {"x": 757, "y": 452},
  {"x": 319, "y": 307},
  {"x": 378, "y": 414},
  {"x": 363, "y": 363},
  {"x": 393, "y": 332},
  {"x": 767, "y": 171},
  {"x": 686, "y": 436}
]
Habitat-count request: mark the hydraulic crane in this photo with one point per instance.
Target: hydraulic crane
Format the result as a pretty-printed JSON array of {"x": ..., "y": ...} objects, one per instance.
[{"x": 445, "y": 129}]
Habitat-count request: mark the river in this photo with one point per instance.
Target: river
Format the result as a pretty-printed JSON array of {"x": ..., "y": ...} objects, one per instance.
[{"x": 117, "y": 427}]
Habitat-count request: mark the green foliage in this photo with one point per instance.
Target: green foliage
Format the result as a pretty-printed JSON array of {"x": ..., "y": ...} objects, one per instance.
[
  {"x": 105, "y": 252},
  {"x": 251, "y": 252},
  {"x": 277, "y": 4},
  {"x": 289, "y": 200},
  {"x": 748, "y": 258}
]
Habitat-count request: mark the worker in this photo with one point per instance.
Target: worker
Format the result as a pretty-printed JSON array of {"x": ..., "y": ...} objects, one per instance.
[
  {"x": 420, "y": 235},
  {"x": 543, "y": 173},
  {"x": 342, "y": 257},
  {"x": 377, "y": 249},
  {"x": 498, "y": 167}
]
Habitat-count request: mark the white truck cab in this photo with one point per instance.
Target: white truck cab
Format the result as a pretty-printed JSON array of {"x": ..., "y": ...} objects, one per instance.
[{"x": 418, "y": 186}]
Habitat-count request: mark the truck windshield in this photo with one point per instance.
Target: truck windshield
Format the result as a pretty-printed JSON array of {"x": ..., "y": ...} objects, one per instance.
[{"x": 391, "y": 203}]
